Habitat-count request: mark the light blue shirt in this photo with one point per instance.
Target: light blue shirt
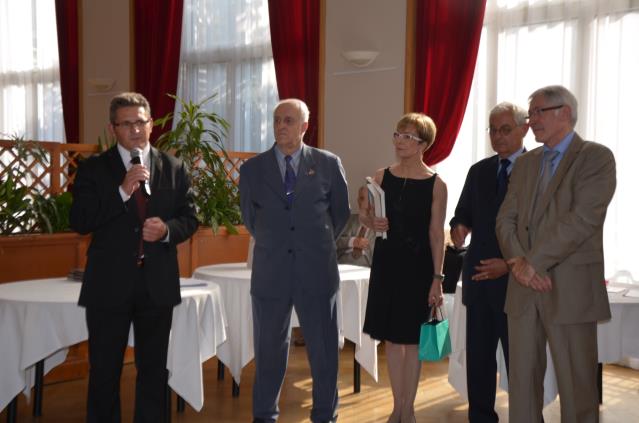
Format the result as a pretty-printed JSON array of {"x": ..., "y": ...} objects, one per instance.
[
  {"x": 562, "y": 147},
  {"x": 295, "y": 160},
  {"x": 512, "y": 159}
]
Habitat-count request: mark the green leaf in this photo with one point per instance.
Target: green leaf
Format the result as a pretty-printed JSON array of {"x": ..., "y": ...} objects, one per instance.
[{"x": 197, "y": 139}]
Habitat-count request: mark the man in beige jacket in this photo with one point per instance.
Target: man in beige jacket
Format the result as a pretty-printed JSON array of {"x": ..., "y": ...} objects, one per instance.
[{"x": 550, "y": 228}]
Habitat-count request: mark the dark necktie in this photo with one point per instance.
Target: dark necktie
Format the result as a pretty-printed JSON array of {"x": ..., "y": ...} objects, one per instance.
[
  {"x": 289, "y": 180},
  {"x": 140, "y": 202},
  {"x": 502, "y": 180}
]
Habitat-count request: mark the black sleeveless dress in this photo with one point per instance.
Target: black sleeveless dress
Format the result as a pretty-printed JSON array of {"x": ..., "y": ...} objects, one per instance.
[{"x": 402, "y": 269}]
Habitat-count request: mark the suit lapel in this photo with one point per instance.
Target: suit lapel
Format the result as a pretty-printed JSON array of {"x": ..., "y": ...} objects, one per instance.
[
  {"x": 565, "y": 164},
  {"x": 117, "y": 172},
  {"x": 489, "y": 176},
  {"x": 531, "y": 183},
  {"x": 156, "y": 177},
  {"x": 305, "y": 172},
  {"x": 115, "y": 163},
  {"x": 271, "y": 174}
]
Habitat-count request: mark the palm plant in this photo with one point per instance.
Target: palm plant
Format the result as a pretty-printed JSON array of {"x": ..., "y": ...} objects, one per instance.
[{"x": 197, "y": 138}]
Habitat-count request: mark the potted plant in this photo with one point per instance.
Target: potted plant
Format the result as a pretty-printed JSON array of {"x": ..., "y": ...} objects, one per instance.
[
  {"x": 24, "y": 209},
  {"x": 197, "y": 138},
  {"x": 35, "y": 238}
]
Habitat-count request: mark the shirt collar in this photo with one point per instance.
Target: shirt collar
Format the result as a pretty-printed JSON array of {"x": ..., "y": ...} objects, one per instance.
[
  {"x": 512, "y": 159},
  {"x": 515, "y": 155},
  {"x": 563, "y": 144},
  {"x": 295, "y": 158}
]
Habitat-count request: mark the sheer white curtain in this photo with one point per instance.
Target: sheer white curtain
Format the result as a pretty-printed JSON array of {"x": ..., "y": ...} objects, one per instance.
[
  {"x": 30, "y": 99},
  {"x": 226, "y": 50},
  {"x": 590, "y": 46}
]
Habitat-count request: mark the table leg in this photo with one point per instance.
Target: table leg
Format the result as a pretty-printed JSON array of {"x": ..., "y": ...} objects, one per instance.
[
  {"x": 235, "y": 390},
  {"x": 38, "y": 388},
  {"x": 180, "y": 404},
  {"x": 12, "y": 410},
  {"x": 600, "y": 381},
  {"x": 220, "y": 370},
  {"x": 357, "y": 376}
]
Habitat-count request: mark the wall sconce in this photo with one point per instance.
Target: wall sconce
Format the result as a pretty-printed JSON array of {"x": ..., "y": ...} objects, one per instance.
[
  {"x": 101, "y": 84},
  {"x": 360, "y": 58}
]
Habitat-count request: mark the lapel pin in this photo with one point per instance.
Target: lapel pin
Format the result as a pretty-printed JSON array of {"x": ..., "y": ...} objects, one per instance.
[{"x": 311, "y": 172}]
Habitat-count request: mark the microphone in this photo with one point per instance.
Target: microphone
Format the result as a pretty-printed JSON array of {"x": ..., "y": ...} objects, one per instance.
[{"x": 136, "y": 158}]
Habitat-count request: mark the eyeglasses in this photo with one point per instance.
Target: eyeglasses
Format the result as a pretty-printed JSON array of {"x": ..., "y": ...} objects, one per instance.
[
  {"x": 130, "y": 125},
  {"x": 398, "y": 136},
  {"x": 539, "y": 110},
  {"x": 503, "y": 130}
]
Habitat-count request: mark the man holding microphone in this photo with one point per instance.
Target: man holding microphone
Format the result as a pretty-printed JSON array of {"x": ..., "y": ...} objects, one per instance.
[{"x": 137, "y": 203}]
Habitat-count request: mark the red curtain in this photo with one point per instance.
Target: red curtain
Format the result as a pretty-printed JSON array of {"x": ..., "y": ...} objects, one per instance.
[
  {"x": 158, "y": 34},
  {"x": 66, "y": 12},
  {"x": 295, "y": 42},
  {"x": 447, "y": 41}
]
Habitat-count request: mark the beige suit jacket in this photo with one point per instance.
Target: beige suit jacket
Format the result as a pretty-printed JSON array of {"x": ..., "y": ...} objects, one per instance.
[{"x": 564, "y": 239}]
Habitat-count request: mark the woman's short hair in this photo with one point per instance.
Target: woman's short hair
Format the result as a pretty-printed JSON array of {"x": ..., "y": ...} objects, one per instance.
[
  {"x": 423, "y": 124},
  {"x": 128, "y": 100}
]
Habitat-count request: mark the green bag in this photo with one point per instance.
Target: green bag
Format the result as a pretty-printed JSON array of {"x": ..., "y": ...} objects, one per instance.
[{"x": 434, "y": 338}]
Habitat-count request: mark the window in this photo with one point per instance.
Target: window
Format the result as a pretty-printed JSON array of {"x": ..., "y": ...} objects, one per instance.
[
  {"x": 226, "y": 51},
  {"x": 588, "y": 46},
  {"x": 30, "y": 99}
]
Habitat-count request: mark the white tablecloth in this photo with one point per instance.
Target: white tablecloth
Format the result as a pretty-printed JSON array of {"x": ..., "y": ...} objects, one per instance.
[
  {"x": 39, "y": 319},
  {"x": 234, "y": 280},
  {"x": 617, "y": 338}
]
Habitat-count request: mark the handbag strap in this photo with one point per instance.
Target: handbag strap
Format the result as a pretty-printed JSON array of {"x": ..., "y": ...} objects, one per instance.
[{"x": 433, "y": 313}]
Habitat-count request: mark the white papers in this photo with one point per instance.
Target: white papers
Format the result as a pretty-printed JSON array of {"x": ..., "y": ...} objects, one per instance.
[{"x": 377, "y": 198}]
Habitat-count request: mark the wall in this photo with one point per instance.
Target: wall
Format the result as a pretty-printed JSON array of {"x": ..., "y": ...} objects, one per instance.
[
  {"x": 105, "y": 56},
  {"x": 362, "y": 105}
]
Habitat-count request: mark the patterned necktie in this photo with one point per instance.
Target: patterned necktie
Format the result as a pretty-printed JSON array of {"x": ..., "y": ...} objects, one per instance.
[
  {"x": 502, "y": 180},
  {"x": 546, "y": 174},
  {"x": 545, "y": 177},
  {"x": 289, "y": 180}
]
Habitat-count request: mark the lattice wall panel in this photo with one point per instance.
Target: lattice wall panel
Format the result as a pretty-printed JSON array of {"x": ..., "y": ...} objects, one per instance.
[{"x": 55, "y": 174}]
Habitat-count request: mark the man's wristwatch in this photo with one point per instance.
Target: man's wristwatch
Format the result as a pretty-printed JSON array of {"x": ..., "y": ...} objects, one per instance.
[{"x": 439, "y": 276}]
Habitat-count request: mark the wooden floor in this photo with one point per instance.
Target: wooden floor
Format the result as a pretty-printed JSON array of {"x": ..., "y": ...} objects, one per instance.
[{"x": 436, "y": 399}]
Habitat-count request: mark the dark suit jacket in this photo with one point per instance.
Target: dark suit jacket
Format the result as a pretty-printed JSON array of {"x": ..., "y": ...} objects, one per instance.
[
  {"x": 111, "y": 258},
  {"x": 294, "y": 246},
  {"x": 477, "y": 209}
]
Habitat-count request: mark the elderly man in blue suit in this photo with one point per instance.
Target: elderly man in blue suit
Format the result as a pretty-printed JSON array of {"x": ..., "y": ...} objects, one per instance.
[
  {"x": 485, "y": 273},
  {"x": 294, "y": 202}
]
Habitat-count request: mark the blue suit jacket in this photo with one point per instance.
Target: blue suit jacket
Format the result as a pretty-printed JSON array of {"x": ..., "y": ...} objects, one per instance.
[
  {"x": 294, "y": 245},
  {"x": 477, "y": 209}
]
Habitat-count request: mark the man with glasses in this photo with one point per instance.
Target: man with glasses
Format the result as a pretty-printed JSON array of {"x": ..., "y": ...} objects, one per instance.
[
  {"x": 485, "y": 273},
  {"x": 137, "y": 204},
  {"x": 550, "y": 229}
]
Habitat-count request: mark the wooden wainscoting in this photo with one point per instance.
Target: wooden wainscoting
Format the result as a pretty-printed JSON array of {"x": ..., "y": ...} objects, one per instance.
[{"x": 37, "y": 256}]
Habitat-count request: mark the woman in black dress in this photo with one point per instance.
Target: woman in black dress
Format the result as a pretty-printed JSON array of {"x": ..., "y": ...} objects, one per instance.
[{"x": 406, "y": 275}]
